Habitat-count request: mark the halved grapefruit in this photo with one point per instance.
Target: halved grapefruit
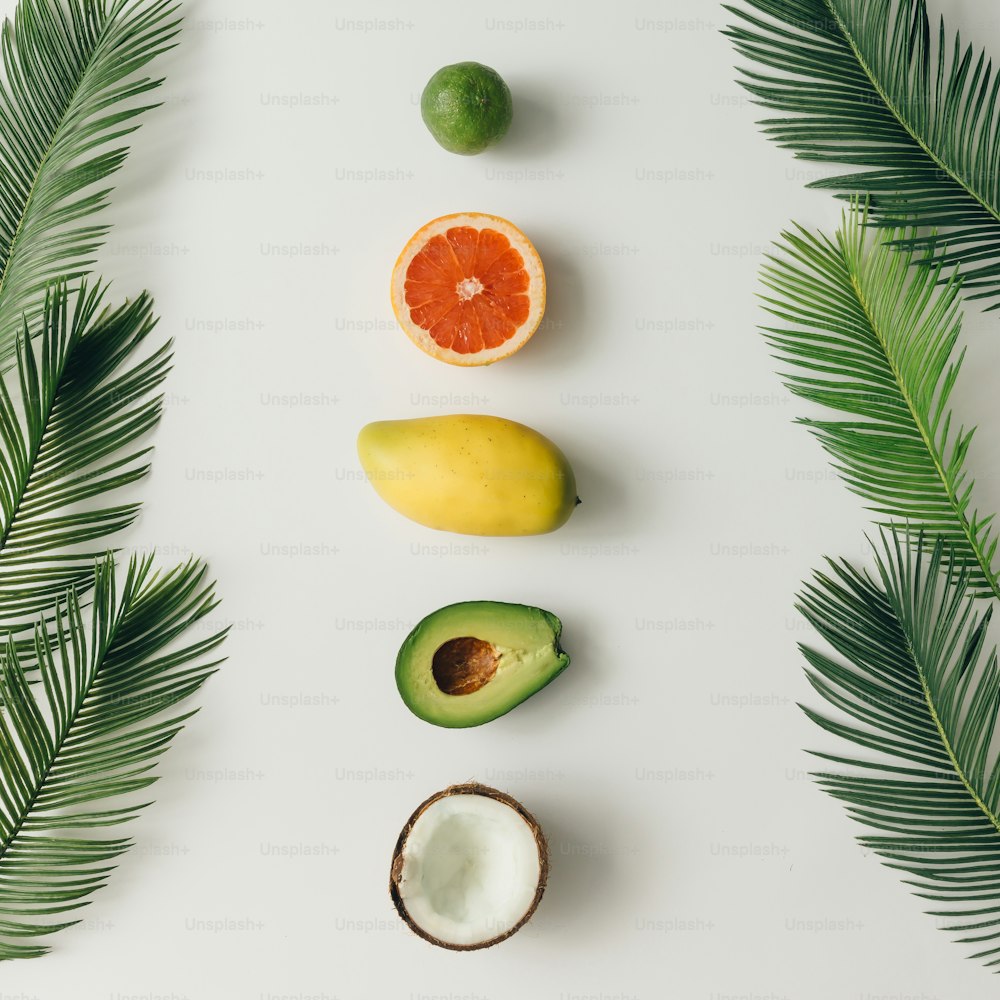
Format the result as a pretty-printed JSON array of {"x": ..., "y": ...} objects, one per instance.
[{"x": 469, "y": 289}]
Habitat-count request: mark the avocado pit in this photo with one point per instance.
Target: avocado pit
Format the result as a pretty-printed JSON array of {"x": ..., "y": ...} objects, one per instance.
[{"x": 464, "y": 665}]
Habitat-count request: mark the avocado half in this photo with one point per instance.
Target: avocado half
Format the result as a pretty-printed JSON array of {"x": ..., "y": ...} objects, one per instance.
[{"x": 470, "y": 663}]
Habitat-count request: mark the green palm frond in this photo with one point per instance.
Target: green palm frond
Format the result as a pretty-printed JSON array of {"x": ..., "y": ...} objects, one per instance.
[
  {"x": 870, "y": 336},
  {"x": 70, "y": 97},
  {"x": 67, "y": 438},
  {"x": 923, "y": 696},
  {"x": 91, "y": 731},
  {"x": 81, "y": 739},
  {"x": 865, "y": 83}
]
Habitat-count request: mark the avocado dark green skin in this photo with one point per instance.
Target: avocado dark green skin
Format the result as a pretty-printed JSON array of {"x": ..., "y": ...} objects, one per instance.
[
  {"x": 531, "y": 658},
  {"x": 467, "y": 107}
]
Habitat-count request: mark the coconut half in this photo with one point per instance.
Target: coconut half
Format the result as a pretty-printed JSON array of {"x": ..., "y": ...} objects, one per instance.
[{"x": 469, "y": 868}]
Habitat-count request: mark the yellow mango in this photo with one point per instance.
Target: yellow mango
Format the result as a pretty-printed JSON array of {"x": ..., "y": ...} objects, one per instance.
[{"x": 471, "y": 474}]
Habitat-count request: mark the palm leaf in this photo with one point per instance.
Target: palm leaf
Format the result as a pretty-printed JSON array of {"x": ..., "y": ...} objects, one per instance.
[
  {"x": 67, "y": 438},
  {"x": 91, "y": 731},
  {"x": 70, "y": 97},
  {"x": 922, "y": 696},
  {"x": 874, "y": 338},
  {"x": 862, "y": 82}
]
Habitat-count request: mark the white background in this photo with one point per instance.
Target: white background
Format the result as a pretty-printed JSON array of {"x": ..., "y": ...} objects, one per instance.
[{"x": 692, "y": 857}]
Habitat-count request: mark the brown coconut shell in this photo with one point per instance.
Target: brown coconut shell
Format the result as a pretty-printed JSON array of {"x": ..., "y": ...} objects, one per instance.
[{"x": 396, "y": 871}]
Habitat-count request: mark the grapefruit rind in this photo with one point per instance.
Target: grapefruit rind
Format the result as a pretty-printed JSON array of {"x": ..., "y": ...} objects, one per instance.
[{"x": 536, "y": 288}]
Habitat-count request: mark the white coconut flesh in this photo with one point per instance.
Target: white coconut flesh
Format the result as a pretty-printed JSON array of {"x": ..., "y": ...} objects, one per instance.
[{"x": 470, "y": 870}]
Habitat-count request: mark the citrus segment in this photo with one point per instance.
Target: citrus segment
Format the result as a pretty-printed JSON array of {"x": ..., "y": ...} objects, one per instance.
[{"x": 469, "y": 289}]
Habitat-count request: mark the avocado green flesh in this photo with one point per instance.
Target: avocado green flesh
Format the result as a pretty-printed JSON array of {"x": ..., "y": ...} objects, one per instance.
[{"x": 526, "y": 639}]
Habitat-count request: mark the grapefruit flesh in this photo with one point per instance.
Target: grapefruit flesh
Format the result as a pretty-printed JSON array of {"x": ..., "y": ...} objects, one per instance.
[{"x": 469, "y": 289}]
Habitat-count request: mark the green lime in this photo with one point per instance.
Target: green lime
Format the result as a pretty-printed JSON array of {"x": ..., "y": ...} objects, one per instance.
[{"x": 467, "y": 107}]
